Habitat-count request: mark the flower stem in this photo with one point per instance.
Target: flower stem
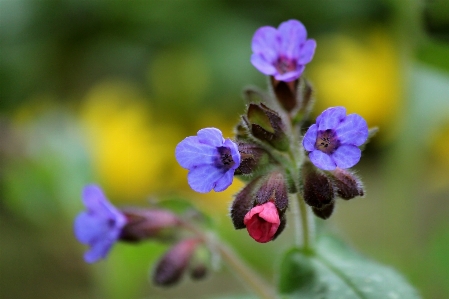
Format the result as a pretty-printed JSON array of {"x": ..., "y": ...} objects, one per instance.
[
  {"x": 297, "y": 217},
  {"x": 307, "y": 224},
  {"x": 248, "y": 276}
]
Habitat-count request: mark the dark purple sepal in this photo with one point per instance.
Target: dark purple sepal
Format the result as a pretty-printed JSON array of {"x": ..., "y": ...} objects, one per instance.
[
  {"x": 266, "y": 125},
  {"x": 148, "y": 224},
  {"x": 281, "y": 227},
  {"x": 318, "y": 190},
  {"x": 253, "y": 157},
  {"x": 285, "y": 93},
  {"x": 273, "y": 188},
  {"x": 347, "y": 184},
  {"x": 243, "y": 202},
  {"x": 324, "y": 212}
]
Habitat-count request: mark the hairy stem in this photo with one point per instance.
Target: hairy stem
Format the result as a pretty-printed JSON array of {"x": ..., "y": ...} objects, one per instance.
[
  {"x": 296, "y": 213},
  {"x": 307, "y": 224},
  {"x": 246, "y": 275}
]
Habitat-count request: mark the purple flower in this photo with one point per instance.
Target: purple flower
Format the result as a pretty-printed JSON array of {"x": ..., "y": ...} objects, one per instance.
[
  {"x": 100, "y": 226},
  {"x": 210, "y": 159},
  {"x": 334, "y": 140},
  {"x": 283, "y": 52}
]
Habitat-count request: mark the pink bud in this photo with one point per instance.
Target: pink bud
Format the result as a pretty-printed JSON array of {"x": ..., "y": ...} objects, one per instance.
[{"x": 262, "y": 222}]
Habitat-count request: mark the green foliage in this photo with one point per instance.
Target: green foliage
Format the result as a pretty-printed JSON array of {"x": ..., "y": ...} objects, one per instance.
[{"x": 336, "y": 271}]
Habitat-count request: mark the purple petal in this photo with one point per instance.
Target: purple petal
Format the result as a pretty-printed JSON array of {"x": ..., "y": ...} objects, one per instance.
[
  {"x": 307, "y": 52},
  {"x": 95, "y": 200},
  {"x": 86, "y": 227},
  {"x": 346, "y": 156},
  {"x": 225, "y": 181},
  {"x": 98, "y": 251},
  {"x": 203, "y": 179},
  {"x": 191, "y": 153},
  {"x": 292, "y": 34},
  {"x": 234, "y": 152},
  {"x": 266, "y": 43},
  {"x": 322, "y": 160},
  {"x": 310, "y": 138},
  {"x": 290, "y": 76},
  {"x": 210, "y": 136},
  {"x": 353, "y": 130},
  {"x": 330, "y": 118},
  {"x": 262, "y": 65}
]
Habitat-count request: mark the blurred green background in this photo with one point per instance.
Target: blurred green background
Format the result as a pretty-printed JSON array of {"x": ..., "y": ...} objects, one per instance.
[{"x": 102, "y": 91}]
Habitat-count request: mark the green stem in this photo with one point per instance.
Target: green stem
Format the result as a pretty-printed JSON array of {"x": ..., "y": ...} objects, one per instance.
[
  {"x": 248, "y": 276},
  {"x": 294, "y": 206},
  {"x": 307, "y": 224}
]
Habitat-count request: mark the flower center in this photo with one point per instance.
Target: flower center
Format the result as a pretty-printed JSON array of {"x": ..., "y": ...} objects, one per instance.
[
  {"x": 327, "y": 141},
  {"x": 224, "y": 160},
  {"x": 285, "y": 65}
]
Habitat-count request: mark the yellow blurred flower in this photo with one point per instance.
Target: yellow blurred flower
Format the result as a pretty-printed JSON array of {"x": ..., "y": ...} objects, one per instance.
[
  {"x": 362, "y": 75},
  {"x": 130, "y": 154}
]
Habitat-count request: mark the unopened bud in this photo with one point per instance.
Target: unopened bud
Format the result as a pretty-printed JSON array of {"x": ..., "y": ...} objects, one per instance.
[
  {"x": 347, "y": 184},
  {"x": 317, "y": 187},
  {"x": 262, "y": 222},
  {"x": 325, "y": 212},
  {"x": 253, "y": 157},
  {"x": 198, "y": 272},
  {"x": 274, "y": 188},
  {"x": 267, "y": 125},
  {"x": 173, "y": 264},
  {"x": 285, "y": 93},
  {"x": 145, "y": 224},
  {"x": 243, "y": 202}
]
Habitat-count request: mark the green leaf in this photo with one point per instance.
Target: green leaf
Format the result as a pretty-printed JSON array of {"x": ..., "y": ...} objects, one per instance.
[
  {"x": 298, "y": 275},
  {"x": 335, "y": 271}
]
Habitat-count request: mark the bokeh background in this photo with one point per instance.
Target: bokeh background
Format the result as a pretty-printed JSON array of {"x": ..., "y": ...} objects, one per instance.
[{"x": 102, "y": 91}]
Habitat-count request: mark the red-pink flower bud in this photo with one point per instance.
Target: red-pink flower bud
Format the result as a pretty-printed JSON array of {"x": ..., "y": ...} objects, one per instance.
[{"x": 262, "y": 222}]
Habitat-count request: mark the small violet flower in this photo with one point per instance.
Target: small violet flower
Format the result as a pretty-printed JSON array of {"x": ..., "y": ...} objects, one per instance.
[
  {"x": 334, "y": 140},
  {"x": 100, "y": 226},
  {"x": 262, "y": 222},
  {"x": 283, "y": 52},
  {"x": 210, "y": 159}
]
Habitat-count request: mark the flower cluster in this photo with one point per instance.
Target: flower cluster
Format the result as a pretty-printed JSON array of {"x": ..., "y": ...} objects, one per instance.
[
  {"x": 332, "y": 144},
  {"x": 268, "y": 152}
]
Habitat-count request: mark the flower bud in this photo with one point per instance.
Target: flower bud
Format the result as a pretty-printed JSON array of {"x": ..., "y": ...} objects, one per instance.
[
  {"x": 285, "y": 93},
  {"x": 274, "y": 188},
  {"x": 198, "y": 271},
  {"x": 173, "y": 264},
  {"x": 266, "y": 124},
  {"x": 347, "y": 184},
  {"x": 252, "y": 158},
  {"x": 242, "y": 203},
  {"x": 317, "y": 187},
  {"x": 145, "y": 224},
  {"x": 262, "y": 222},
  {"x": 325, "y": 212}
]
